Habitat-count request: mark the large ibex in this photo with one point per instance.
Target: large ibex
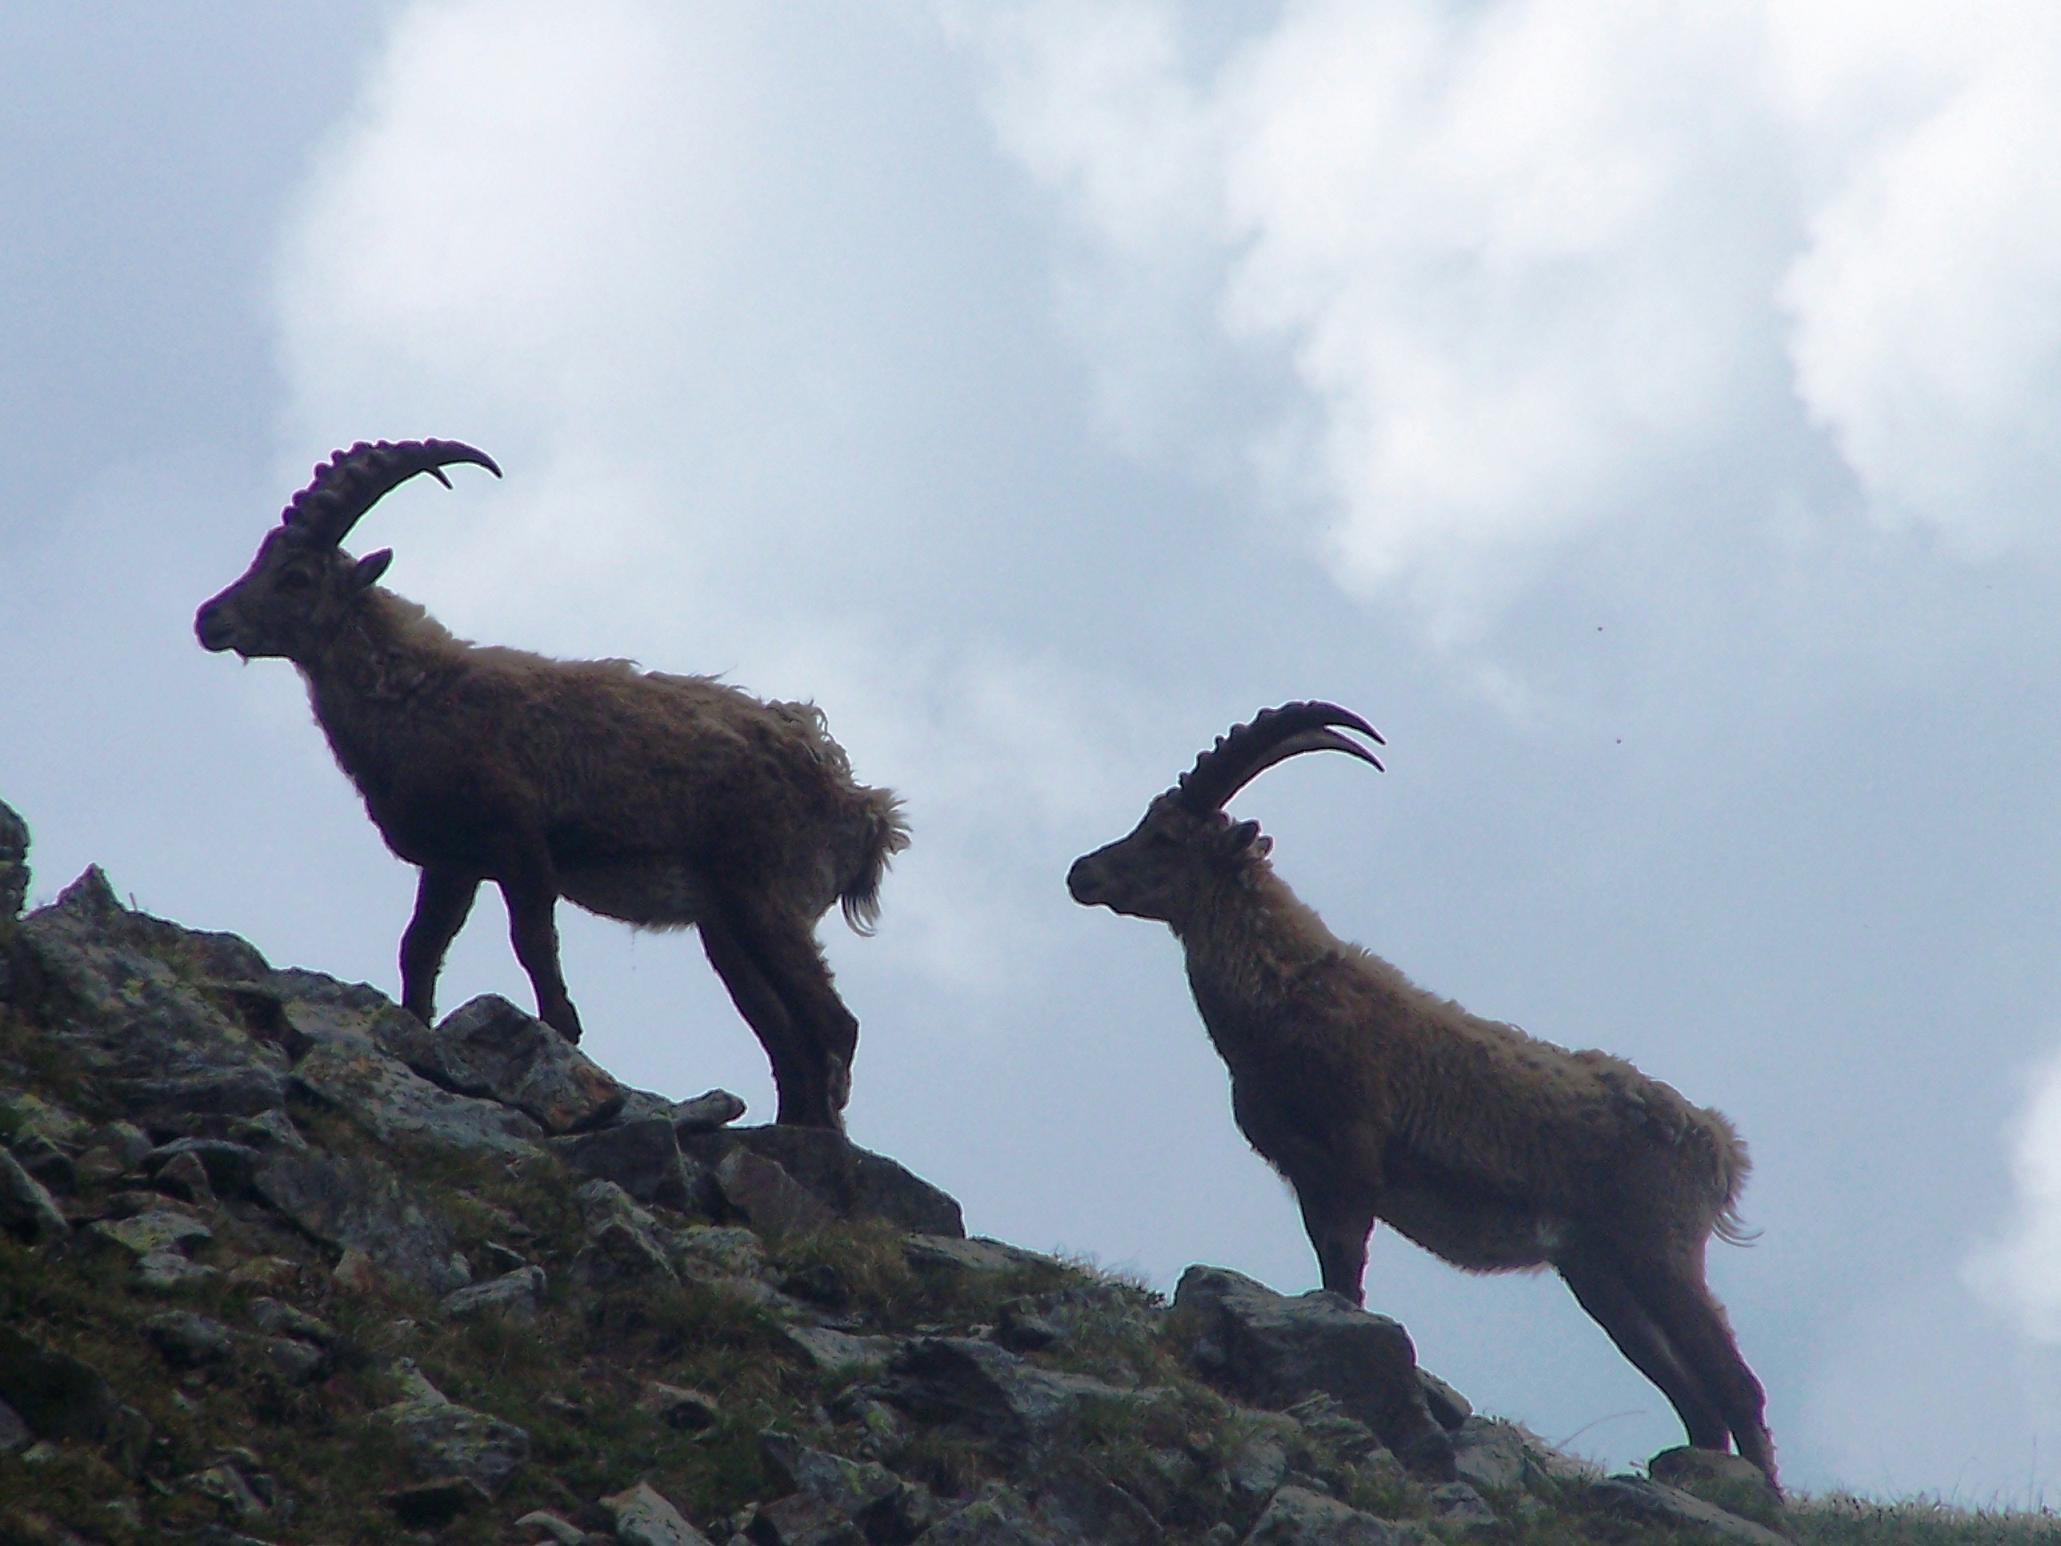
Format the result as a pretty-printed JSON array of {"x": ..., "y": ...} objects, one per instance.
[
  {"x": 659, "y": 800},
  {"x": 1378, "y": 1100}
]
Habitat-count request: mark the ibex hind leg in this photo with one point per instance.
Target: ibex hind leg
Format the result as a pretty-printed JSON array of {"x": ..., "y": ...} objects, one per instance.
[
  {"x": 532, "y": 897},
  {"x": 1624, "y": 1312},
  {"x": 800, "y": 1073},
  {"x": 1695, "y": 1323}
]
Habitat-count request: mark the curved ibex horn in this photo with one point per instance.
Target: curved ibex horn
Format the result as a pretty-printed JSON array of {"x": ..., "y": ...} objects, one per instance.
[
  {"x": 352, "y": 482},
  {"x": 1274, "y": 735}
]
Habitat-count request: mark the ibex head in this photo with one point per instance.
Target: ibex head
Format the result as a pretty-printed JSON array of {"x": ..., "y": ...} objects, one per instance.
[
  {"x": 1185, "y": 840},
  {"x": 302, "y": 582}
]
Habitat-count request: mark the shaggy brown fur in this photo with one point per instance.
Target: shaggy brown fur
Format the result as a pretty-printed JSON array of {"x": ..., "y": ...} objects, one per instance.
[
  {"x": 662, "y": 801},
  {"x": 1376, "y": 1099}
]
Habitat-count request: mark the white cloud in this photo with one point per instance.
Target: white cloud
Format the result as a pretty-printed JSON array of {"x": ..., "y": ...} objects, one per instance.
[
  {"x": 1928, "y": 304},
  {"x": 1524, "y": 263},
  {"x": 2021, "y": 1273}
]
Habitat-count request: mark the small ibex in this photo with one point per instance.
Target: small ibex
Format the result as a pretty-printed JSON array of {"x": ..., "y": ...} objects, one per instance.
[
  {"x": 662, "y": 801},
  {"x": 1378, "y": 1100}
]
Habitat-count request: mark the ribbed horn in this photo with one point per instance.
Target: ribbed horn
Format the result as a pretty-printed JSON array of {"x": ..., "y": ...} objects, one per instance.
[
  {"x": 352, "y": 482},
  {"x": 1273, "y": 736}
]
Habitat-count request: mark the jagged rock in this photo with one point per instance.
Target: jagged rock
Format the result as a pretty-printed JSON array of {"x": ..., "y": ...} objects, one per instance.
[
  {"x": 143, "y": 1027},
  {"x": 1503, "y": 1457},
  {"x": 60, "y": 1397},
  {"x": 293, "y": 1360},
  {"x": 706, "y": 1112},
  {"x": 642, "y": 1157},
  {"x": 167, "y": 1272},
  {"x": 488, "y": 1047},
  {"x": 1273, "y": 1349},
  {"x": 517, "y": 1295},
  {"x": 186, "y": 1178},
  {"x": 1449, "y": 1408},
  {"x": 1460, "y": 1507},
  {"x": 27, "y": 1210},
  {"x": 154, "y": 1230},
  {"x": 14, "y": 865},
  {"x": 1731, "y": 1482},
  {"x": 1078, "y": 1505},
  {"x": 860, "y": 1492},
  {"x": 767, "y": 1196},
  {"x": 642, "y": 1517},
  {"x": 396, "y": 1105},
  {"x": 1649, "y": 1502},
  {"x": 358, "y": 1204},
  {"x": 226, "y": 1486},
  {"x": 226, "y": 1167},
  {"x": 988, "y": 1390},
  {"x": 1296, "y": 1516},
  {"x": 623, "y": 1243},
  {"x": 720, "y": 1253},
  {"x": 187, "y": 1340},
  {"x": 839, "y": 1352},
  {"x": 1255, "y": 1469},
  {"x": 269, "y": 1130},
  {"x": 854, "y": 1183},
  {"x": 949, "y": 1257},
  {"x": 998, "y": 1517},
  {"x": 126, "y": 1143},
  {"x": 441, "y": 1438},
  {"x": 286, "y": 1320}
]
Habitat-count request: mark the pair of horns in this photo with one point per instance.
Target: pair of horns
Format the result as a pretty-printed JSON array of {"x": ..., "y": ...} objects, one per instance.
[
  {"x": 1273, "y": 736},
  {"x": 352, "y": 482}
]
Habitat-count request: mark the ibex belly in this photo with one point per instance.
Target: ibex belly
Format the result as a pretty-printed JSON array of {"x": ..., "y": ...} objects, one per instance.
[
  {"x": 1481, "y": 1232},
  {"x": 652, "y": 893}
]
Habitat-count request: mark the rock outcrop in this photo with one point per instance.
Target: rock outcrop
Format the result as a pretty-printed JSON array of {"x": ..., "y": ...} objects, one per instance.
[{"x": 278, "y": 1262}]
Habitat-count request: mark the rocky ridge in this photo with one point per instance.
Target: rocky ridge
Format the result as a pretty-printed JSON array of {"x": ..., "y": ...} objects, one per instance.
[{"x": 280, "y": 1263}]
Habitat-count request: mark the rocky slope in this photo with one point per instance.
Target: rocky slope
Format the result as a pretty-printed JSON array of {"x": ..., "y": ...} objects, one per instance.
[{"x": 280, "y": 1263}]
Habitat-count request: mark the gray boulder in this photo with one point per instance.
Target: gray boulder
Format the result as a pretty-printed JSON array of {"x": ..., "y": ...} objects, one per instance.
[
  {"x": 440, "y": 1438},
  {"x": 355, "y": 1204},
  {"x": 1643, "y": 1501},
  {"x": 642, "y": 1157},
  {"x": 27, "y": 1210},
  {"x": 1274, "y": 1350},
  {"x": 985, "y": 1389},
  {"x": 854, "y": 1183},
  {"x": 641, "y": 1516},
  {"x": 490, "y": 1048}
]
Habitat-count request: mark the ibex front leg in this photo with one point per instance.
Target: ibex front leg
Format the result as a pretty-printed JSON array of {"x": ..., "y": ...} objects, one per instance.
[{"x": 443, "y": 898}]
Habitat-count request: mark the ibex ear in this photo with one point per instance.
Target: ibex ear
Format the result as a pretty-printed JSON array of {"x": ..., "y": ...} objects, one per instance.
[
  {"x": 1244, "y": 833},
  {"x": 371, "y": 567}
]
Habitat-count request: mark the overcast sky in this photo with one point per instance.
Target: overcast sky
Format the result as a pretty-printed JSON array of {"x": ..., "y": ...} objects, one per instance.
[{"x": 1645, "y": 414}]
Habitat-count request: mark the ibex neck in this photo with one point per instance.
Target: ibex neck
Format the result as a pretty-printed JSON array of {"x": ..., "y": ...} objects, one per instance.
[
  {"x": 385, "y": 653},
  {"x": 1250, "y": 950}
]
